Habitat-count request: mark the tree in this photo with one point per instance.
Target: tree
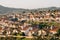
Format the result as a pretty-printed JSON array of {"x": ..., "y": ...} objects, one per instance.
[
  {"x": 41, "y": 26},
  {"x": 39, "y": 38},
  {"x": 14, "y": 19},
  {"x": 51, "y": 23},
  {"x": 4, "y": 33},
  {"x": 58, "y": 32}
]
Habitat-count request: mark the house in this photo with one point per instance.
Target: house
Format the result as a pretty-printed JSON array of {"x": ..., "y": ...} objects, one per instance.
[
  {"x": 54, "y": 30},
  {"x": 42, "y": 32},
  {"x": 32, "y": 31},
  {"x": 1, "y": 30}
]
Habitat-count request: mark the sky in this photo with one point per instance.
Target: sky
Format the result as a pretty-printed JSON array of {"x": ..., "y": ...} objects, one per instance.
[{"x": 30, "y": 4}]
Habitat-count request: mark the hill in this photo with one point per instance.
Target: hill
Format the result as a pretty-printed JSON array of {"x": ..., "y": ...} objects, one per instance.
[{"x": 7, "y": 9}]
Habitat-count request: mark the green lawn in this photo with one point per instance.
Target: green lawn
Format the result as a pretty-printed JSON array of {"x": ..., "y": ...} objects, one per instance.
[
  {"x": 27, "y": 39},
  {"x": 23, "y": 39},
  {"x": 15, "y": 38}
]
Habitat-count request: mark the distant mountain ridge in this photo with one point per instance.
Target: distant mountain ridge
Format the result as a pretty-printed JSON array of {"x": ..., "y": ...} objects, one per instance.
[{"x": 7, "y": 9}]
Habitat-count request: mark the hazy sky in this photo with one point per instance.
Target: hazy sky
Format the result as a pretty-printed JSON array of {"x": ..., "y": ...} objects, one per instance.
[{"x": 30, "y": 3}]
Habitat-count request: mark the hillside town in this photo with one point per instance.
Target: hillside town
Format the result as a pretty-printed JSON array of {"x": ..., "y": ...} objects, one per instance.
[{"x": 30, "y": 24}]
